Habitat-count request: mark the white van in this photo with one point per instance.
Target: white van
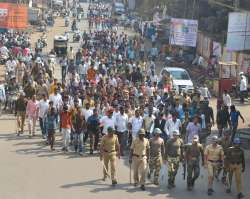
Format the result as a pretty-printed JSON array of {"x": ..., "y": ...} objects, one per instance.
[
  {"x": 181, "y": 79},
  {"x": 119, "y": 8}
]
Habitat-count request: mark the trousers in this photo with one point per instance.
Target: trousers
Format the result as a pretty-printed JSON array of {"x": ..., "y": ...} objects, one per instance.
[
  {"x": 212, "y": 169},
  {"x": 173, "y": 166},
  {"x": 78, "y": 141},
  {"x": 155, "y": 166},
  {"x": 235, "y": 169},
  {"x": 109, "y": 158},
  {"x": 66, "y": 137},
  {"x": 94, "y": 139},
  {"x": 32, "y": 124},
  {"x": 20, "y": 120},
  {"x": 139, "y": 168},
  {"x": 193, "y": 171}
]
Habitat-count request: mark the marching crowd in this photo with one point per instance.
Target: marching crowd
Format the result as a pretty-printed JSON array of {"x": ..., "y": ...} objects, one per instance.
[{"x": 111, "y": 97}]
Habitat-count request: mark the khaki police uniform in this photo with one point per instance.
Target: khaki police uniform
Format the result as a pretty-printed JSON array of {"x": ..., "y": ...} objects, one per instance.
[
  {"x": 139, "y": 159},
  {"x": 109, "y": 147},
  {"x": 225, "y": 143},
  {"x": 236, "y": 162},
  {"x": 215, "y": 157}
]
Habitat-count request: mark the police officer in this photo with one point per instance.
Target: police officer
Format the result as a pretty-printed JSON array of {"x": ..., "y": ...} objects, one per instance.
[
  {"x": 225, "y": 142},
  {"x": 192, "y": 156},
  {"x": 157, "y": 151},
  {"x": 236, "y": 160},
  {"x": 214, "y": 156},
  {"x": 109, "y": 150},
  {"x": 139, "y": 156},
  {"x": 174, "y": 154}
]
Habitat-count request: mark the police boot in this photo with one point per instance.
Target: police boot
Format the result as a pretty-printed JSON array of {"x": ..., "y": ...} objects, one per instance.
[
  {"x": 192, "y": 183},
  {"x": 189, "y": 186},
  {"x": 240, "y": 195},
  {"x": 209, "y": 192},
  {"x": 149, "y": 175},
  {"x": 143, "y": 187},
  {"x": 114, "y": 182},
  {"x": 169, "y": 184}
]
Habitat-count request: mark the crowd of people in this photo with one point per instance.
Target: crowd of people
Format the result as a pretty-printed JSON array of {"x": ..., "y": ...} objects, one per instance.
[{"x": 112, "y": 99}]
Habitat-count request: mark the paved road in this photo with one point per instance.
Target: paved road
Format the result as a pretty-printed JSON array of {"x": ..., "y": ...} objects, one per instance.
[{"x": 29, "y": 170}]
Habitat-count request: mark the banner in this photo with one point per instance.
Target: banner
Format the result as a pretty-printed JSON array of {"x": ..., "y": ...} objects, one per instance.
[
  {"x": 13, "y": 16},
  {"x": 183, "y": 32},
  {"x": 238, "y": 34}
]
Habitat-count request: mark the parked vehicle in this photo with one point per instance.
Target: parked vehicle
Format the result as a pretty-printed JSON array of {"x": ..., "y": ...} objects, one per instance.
[
  {"x": 76, "y": 36},
  {"x": 60, "y": 45},
  {"x": 118, "y": 8},
  {"x": 180, "y": 77},
  {"x": 34, "y": 16}
]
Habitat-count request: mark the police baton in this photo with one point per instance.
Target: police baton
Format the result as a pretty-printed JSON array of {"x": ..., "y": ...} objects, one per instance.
[
  {"x": 130, "y": 173},
  {"x": 105, "y": 169}
]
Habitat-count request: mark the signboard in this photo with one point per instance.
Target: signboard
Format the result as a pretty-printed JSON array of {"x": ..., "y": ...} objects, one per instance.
[
  {"x": 183, "y": 32},
  {"x": 13, "y": 16},
  {"x": 238, "y": 34}
]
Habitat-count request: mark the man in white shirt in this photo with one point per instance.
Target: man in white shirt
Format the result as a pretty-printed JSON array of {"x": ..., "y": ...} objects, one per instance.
[
  {"x": 107, "y": 121},
  {"x": 226, "y": 99},
  {"x": 135, "y": 124},
  {"x": 56, "y": 98},
  {"x": 173, "y": 124},
  {"x": 87, "y": 112},
  {"x": 11, "y": 65},
  {"x": 243, "y": 88},
  {"x": 121, "y": 125},
  {"x": 4, "y": 51},
  {"x": 148, "y": 121},
  {"x": 43, "y": 107}
]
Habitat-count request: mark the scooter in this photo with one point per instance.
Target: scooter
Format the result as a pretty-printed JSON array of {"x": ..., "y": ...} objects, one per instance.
[
  {"x": 76, "y": 37},
  {"x": 66, "y": 23}
]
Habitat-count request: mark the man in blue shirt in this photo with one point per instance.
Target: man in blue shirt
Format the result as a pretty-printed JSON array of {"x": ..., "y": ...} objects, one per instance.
[
  {"x": 93, "y": 123},
  {"x": 234, "y": 117}
]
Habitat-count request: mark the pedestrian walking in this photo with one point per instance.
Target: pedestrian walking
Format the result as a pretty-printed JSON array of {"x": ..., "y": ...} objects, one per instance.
[
  {"x": 236, "y": 161},
  {"x": 193, "y": 128},
  {"x": 243, "y": 88},
  {"x": 157, "y": 153},
  {"x": 65, "y": 125},
  {"x": 173, "y": 156},
  {"x": 20, "y": 111},
  {"x": 234, "y": 117},
  {"x": 43, "y": 107},
  {"x": 93, "y": 129},
  {"x": 32, "y": 114},
  {"x": 109, "y": 150},
  {"x": 51, "y": 125},
  {"x": 223, "y": 119},
  {"x": 139, "y": 157},
  {"x": 225, "y": 142},
  {"x": 78, "y": 123},
  {"x": 193, "y": 153},
  {"x": 214, "y": 156},
  {"x": 121, "y": 124}
]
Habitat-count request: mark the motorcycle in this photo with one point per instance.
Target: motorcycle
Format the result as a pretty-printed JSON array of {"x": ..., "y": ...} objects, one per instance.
[
  {"x": 12, "y": 97},
  {"x": 76, "y": 36},
  {"x": 66, "y": 23}
]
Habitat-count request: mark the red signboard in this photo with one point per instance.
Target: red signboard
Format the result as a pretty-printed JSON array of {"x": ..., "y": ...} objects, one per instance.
[{"x": 13, "y": 16}]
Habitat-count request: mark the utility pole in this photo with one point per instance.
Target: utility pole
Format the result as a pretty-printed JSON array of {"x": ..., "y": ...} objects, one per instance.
[{"x": 236, "y": 4}]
